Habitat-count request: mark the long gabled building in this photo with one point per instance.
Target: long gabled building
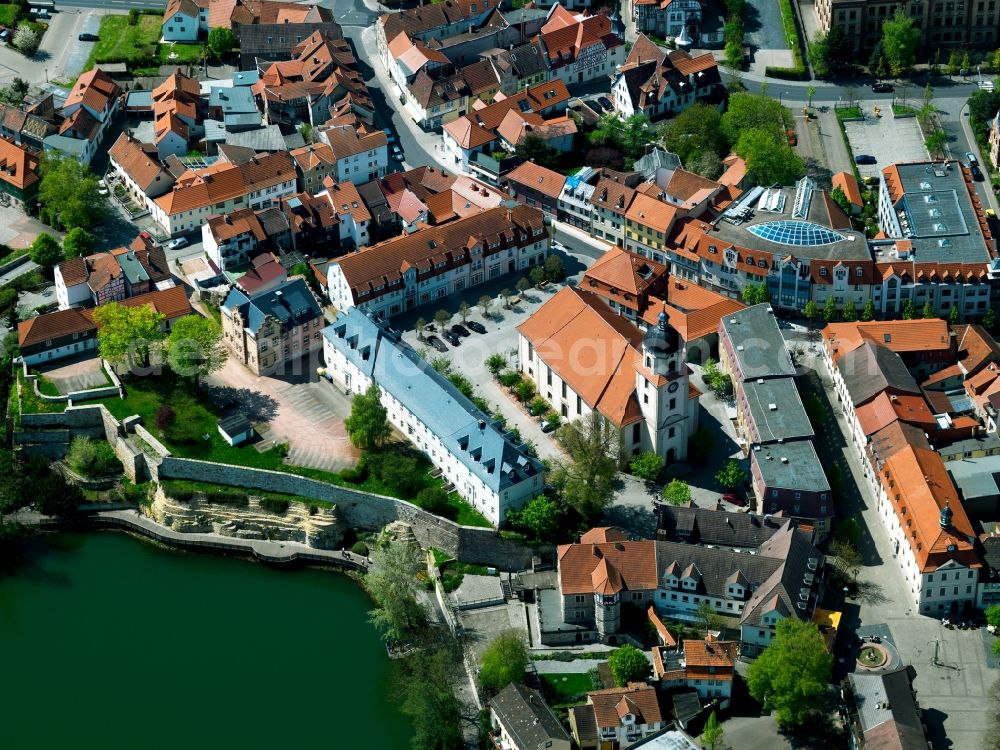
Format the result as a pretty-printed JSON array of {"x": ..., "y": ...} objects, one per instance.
[
  {"x": 414, "y": 269},
  {"x": 476, "y": 458},
  {"x": 781, "y": 577}
]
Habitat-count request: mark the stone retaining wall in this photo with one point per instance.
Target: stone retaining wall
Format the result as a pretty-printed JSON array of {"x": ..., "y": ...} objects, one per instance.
[
  {"x": 321, "y": 530},
  {"x": 362, "y": 510},
  {"x": 147, "y": 437}
]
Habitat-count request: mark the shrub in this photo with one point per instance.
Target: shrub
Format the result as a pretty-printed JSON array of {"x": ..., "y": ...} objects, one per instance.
[
  {"x": 274, "y": 505},
  {"x": 165, "y": 417},
  {"x": 360, "y": 548},
  {"x": 133, "y": 17},
  {"x": 435, "y": 500},
  {"x": 646, "y": 466},
  {"x": 510, "y": 378},
  {"x": 355, "y": 475},
  {"x": 525, "y": 390},
  {"x": 403, "y": 474},
  {"x": 537, "y": 406},
  {"x": 92, "y": 457}
]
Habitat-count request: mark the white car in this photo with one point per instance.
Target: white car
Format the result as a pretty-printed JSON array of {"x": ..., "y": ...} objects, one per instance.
[{"x": 177, "y": 243}]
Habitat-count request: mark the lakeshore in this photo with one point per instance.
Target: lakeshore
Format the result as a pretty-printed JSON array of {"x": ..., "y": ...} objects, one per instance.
[{"x": 99, "y": 622}]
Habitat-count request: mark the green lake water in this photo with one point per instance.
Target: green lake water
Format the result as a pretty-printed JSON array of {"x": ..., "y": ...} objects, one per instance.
[{"x": 110, "y": 642}]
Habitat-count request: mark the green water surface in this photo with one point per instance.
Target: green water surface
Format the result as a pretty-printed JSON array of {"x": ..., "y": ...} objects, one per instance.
[{"x": 107, "y": 641}]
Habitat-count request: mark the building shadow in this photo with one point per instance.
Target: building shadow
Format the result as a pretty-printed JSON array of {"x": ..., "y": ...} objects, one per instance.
[{"x": 934, "y": 723}]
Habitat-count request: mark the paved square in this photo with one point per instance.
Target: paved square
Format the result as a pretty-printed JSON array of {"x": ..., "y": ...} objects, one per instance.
[
  {"x": 890, "y": 140},
  {"x": 77, "y": 374}
]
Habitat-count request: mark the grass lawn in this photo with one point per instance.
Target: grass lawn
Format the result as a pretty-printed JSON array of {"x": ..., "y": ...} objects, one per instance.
[
  {"x": 15, "y": 252},
  {"x": 31, "y": 404},
  {"x": 566, "y": 689},
  {"x": 848, "y": 113},
  {"x": 120, "y": 42},
  {"x": 8, "y": 14},
  {"x": 186, "y": 53},
  {"x": 903, "y": 109},
  {"x": 196, "y": 416}
]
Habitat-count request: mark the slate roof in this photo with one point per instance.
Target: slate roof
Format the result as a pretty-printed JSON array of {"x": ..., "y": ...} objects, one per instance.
[
  {"x": 887, "y": 711},
  {"x": 525, "y": 716},
  {"x": 465, "y": 431},
  {"x": 235, "y": 425},
  {"x": 870, "y": 369},
  {"x": 714, "y": 526},
  {"x": 291, "y": 303}
]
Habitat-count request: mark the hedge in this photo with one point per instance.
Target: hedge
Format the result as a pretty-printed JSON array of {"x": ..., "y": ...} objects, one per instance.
[
  {"x": 798, "y": 71},
  {"x": 788, "y": 74}
]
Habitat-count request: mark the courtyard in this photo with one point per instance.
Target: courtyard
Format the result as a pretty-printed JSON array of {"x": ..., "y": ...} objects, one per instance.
[{"x": 76, "y": 374}]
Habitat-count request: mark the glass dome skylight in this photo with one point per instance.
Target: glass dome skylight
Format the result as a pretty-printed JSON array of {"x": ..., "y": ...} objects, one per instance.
[{"x": 798, "y": 233}]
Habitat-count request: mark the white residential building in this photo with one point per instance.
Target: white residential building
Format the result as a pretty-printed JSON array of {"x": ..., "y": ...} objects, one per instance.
[{"x": 491, "y": 473}]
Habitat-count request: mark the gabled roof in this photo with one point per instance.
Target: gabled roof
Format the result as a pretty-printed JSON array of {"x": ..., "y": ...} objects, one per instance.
[
  {"x": 18, "y": 164},
  {"x": 94, "y": 89},
  {"x": 142, "y": 166},
  {"x": 526, "y": 717},
  {"x": 849, "y": 184},
  {"x": 603, "y": 374},
  {"x": 626, "y": 271},
  {"x": 291, "y": 304},
  {"x": 541, "y": 179},
  {"x": 870, "y": 369},
  {"x": 222, "y": 181},
  {"x": 976, "y": 348},
  {"x": 902, "y": 336},
  {"x": 612, "y": 705}
]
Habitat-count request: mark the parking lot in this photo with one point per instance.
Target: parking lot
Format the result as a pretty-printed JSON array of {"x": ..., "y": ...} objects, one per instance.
[{"x": 889, "y": 139}]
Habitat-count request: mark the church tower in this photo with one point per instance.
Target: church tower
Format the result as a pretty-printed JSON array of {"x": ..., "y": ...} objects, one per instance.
[{"x": 662, "y": 389}]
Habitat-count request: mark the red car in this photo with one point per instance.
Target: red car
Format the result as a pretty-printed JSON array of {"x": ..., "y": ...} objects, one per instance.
[{"x": 732, "y": 497}]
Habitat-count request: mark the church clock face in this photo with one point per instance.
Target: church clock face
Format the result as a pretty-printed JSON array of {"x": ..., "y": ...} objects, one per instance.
[{"x": 672, "y": 387}]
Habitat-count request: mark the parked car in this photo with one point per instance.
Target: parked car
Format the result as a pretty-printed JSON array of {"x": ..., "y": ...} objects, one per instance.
[
  {"x": 882, "y": 87},
  {"x": 546, "y": 425},
  {"x": 865, "y": 159},
  {"x": 177, "y": 244},
  {"x": 85, "y": 37},
  {"x": 971, "y": 159},
  {"x": 977, "y": 173},
  {"x": 476, "y": 326},
  {"x": 604, "y": 102},
  {"x": 388, "y": 135},
  {"x": 459, "y": 330},
  {"x": 397, "y": 152},
  {"x": 453, "y": 338},
  {"x": 437, "y": 344},
  {"x": 732, "y": 497}
]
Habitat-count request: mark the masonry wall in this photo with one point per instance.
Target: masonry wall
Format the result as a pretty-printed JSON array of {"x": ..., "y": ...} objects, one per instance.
[{"x": 364, "y": 511}]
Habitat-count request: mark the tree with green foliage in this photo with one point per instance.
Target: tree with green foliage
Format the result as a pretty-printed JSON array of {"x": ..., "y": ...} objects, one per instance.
[
  {"x": 555, "y": 270},
  {"x": 195, "y": 348},
  {"x": 840, "y": 198},
  {"x": 850, "y": 312},
  {"x": 847, "y": 559},
  {"x": 368, "y": 426},
  {"x": 954, "y": 316},
  {"x": 708, "y": 618},
  {"x": 221, "y": 41},
  {"x": 68, "y": 193},
  {"x": 630, "y": 135},
  {"x": 26, "y": 40},
  {"x": 830, "y": 54},
  {"x": 717, "y": 380},
  {"x": 993, "y": 615},
  {"x": 769, "y": 160},
  {"x": 45, "y": 251},
  {"x": 78, "y": 243},
  {"x": 848, "y": 531},
  {"x": 586, "y": 479},
  {"x": 733, "y": 54},
  {"x": 495, "y": 363},
  {"x": 442, "y": 318},
  {"x": 900, "y": 40},
  {"x": 391, "y": 581},
  {"x": 731, "y": 475},
  {"x": 536, "y": 149},
  {"x": 877, "y": 62},
  {"x": 936, "y": 142},
  {"x": 647, "y": 465},
  {"x": 128, "y": 334},
  {"x": 486, "y": 302},
  {"x": 747, "y": 112},
  {"x": 751, "y": 294},
  {"x": 909, "y": 310},
  {"x": 435, "y": 500},
  {"x": 14, "y": 93},
  {"x": 695, "y": 131},
  {"x": 504, "y": 661},
  {"x": 711, "y": 735},
  {"x": 540, "y": 517},
  {"x": 628, "y": 664},
  {"x": 677, "y": 492},
  {"x": 423, "y": 680},
  {"x": 707, "y": 164},
  {"x": 790, "y": 677},
  {"x": 523, "y": 285},
  {"x": 928, "y": 310},
  {"x": 829, "y": 309},
  {"x": 990, "y": 319},
  {"x": 537, "y": 275},
  {"x": 811, "y": 311},
  {"x": 868, "y": 313}
]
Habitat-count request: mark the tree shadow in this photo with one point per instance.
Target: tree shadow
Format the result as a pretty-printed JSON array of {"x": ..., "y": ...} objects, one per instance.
[
  {"x": 870, "y": 592},
  {"x": 631, "y": 519},
  {"x": 819, "y": 732},
  {"x": 254, "y": 405}
]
